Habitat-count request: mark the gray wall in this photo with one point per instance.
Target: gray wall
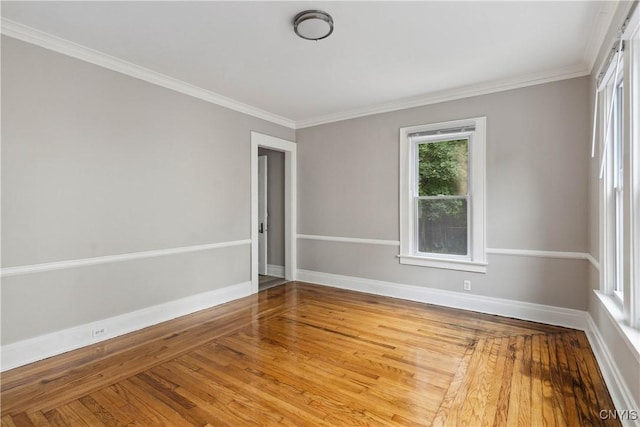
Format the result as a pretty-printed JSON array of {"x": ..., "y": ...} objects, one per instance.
[
  {"x": 98, "y": 163},
  {"x": 275, "y": 205},
  {"x": 537, "y": 157}
]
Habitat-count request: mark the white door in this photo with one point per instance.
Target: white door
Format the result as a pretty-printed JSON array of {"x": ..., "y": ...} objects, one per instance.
[
  {"x": 262, "y": 214},
  {"x": 290, "y": 191}
]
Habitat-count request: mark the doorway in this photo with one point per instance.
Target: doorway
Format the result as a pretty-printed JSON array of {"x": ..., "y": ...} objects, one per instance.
[
  {"x": 264, "y": 222},
  {"x": 270, "y": 218},
  {"x": 288, "y": 150}
]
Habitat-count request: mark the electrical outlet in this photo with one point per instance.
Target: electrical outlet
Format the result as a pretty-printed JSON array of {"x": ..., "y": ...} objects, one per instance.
[
  {"x": 467, "y": 285},
  {"x": 98, "y": 332}
]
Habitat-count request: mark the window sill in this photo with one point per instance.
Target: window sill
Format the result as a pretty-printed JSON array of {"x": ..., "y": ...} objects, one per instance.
[
  {"x": 612, "y": 305},
  {"x": 448, "y": 264}
]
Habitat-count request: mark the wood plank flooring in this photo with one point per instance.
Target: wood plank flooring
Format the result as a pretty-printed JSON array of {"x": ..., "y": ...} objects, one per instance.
[
  {"x": 306, "y": 355},
  {"x": 266, "y": 282}
]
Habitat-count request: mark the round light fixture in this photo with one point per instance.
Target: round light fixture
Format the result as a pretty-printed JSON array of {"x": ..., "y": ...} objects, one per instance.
[{"x": 313, "y": 24}]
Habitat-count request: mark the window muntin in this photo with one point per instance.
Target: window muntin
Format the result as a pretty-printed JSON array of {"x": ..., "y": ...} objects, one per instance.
[
  {"x": 441, "y": 199},
  {"x": 618, "y": 189},
  {"x": 442, "y": 213}
]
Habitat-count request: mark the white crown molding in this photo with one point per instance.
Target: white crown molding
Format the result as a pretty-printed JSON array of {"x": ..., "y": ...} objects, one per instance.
[
  {"x": 600, "y": 26},
  {"x": 48, "y": 41},
  {"x": 66, "y": 47},
  {"x": 82, "y": 262},
  {"x": 559, "y": 316},
  {"x": 33, "y": 349},
  {"x": 452, "y": 95},
  {"x": 616, "y": 384}
]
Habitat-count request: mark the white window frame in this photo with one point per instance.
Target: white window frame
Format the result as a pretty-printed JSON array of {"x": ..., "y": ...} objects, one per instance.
[
  {"x": 618, "y": 190},
  {"x": 632, "y": 299},
  {"x": 475, "y": 261},
  {"x": 611, "y": 252},
  {"x": 627, "y": 302}
]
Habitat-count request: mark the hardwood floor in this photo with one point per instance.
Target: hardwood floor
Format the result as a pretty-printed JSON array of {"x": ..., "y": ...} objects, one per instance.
[
  {"x": 266, "y": 282},
  {"x": 307, "y": 355}
]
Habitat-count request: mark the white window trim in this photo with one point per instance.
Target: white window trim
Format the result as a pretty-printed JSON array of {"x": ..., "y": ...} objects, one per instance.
[
  {"x": 626, "y": 311},
  {"x": 607, "y": 193},
  {"x": 476, "y": 261},
  {"x": 633, "y": 166},
  {"x": 618, "y": 192}
]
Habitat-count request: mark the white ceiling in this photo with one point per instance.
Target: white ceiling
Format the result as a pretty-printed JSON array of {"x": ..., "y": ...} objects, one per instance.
[{"x": 381, "y": 55}]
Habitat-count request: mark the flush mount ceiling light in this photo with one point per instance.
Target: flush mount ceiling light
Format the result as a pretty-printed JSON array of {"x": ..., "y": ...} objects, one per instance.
[{"x": 313, "y": 24}]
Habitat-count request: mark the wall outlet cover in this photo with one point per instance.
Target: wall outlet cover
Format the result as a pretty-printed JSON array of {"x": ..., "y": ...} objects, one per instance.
[{"x": 96, "y": 332}]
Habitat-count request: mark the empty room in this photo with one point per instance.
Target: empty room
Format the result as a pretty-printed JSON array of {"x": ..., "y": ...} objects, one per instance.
[{"x": 259, "y": 213}]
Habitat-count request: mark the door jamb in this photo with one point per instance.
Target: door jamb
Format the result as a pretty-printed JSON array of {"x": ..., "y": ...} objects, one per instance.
[
  {"x": 290, "y": 203},
  {"x": 263, "y": 182}
]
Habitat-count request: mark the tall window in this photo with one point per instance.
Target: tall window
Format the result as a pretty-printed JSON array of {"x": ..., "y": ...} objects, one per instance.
[
  {"x": 617, "y": 181},
  {"x": 612, "y": 170},
  {"x": 632, "y": 305},
  {"x": 612, "y": 173},
  {"x": 618, "y": 121},
  {"x": 442, "y": 187},
  {"x": 441, "y": 195}
]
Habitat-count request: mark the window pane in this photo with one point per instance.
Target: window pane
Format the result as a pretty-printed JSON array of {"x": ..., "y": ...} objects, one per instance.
[
  {"x": 442, "y": 226},
  {"x": 618, "y": 190},
  {"x": 443, "y": 168}
]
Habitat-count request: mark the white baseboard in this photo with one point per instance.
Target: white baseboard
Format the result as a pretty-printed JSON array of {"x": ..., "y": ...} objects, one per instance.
[
  {"x": 38, "y": 348},
  {"x": 275, "y": 270},
  {"x": 616, "y": 383},
  {"x": 558, "y": 316}
]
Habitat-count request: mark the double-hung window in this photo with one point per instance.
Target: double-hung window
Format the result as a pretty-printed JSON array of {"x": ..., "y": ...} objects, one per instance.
[
  {"x": 633, "y": 171},
  {"x": 612, "y": 173},
  {"x": 617, "y": 123},
  {"x": 617, "y": 181},
  {"x": 612, "y": 169},
  {"x": 442, "y": 206}
]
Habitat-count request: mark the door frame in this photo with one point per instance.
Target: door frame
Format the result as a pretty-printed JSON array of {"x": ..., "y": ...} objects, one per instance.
[
  {"x": 290, "y": 202},
  {"x": 263, "y": 235}
]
